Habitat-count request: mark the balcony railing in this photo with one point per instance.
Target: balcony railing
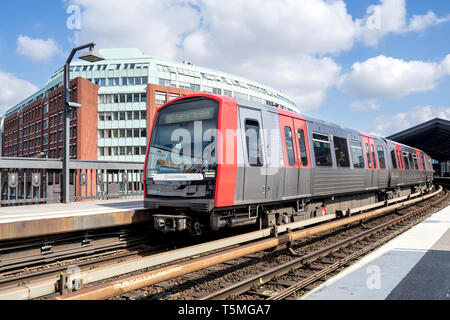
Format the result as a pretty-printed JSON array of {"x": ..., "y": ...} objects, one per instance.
[{"x": 25, "y": 181}]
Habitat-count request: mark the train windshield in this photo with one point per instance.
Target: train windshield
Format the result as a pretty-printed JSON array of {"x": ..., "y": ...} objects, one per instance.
[{"x": 184, "y": 138}]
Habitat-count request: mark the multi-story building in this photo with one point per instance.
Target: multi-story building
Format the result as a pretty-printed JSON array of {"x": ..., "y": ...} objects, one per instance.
[{"x": 118, "y": 98}]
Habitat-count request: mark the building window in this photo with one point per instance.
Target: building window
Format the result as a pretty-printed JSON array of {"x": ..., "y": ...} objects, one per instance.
[
  {"x": 160, "y": 98},
  {"x": 74, "y": 94},
  {"x": 45, "y": 123}
]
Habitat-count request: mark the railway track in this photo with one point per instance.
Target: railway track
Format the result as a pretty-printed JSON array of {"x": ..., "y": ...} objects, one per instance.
[
  {"x": 296, "y": 277},
  {"x": 218, "y": 264}
]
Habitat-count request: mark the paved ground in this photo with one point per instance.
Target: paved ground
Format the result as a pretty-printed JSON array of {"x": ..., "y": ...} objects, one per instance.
[
  {"x": 415, "y": 265},
  {"x": 60, "y": 210}
]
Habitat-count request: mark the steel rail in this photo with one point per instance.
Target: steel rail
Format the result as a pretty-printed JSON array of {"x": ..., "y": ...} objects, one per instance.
[
  {"x": 114, "y": 288},
  {"x": 294, "y": 288}
]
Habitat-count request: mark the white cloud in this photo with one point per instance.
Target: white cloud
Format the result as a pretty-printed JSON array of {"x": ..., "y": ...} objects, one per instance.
[
  {"x": 281, "y": 43},
  {"x": 37, "y": 49},
  {"x": 14, "y": 90},
  {"x": 390, "y": 17},
  {"x": 272, "y": 43},
  {"x": 387, "y": 17},
  {"x": 387, "y": 77},
  {"x": 156, "y": 27},
  {"x": 421, "y": 22},
  {"x": 364, "y": 105},
  {"x": 405, "y": 120}
]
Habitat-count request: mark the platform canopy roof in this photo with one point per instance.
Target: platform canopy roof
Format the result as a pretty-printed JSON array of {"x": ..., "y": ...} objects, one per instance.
[{"x": 432, "y": 136}]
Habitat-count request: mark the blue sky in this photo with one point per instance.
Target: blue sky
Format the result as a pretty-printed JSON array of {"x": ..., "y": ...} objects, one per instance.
[{"x": 306, "y": 48}]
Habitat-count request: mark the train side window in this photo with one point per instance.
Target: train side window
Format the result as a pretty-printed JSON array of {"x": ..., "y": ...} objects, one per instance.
[
  {"x": 322, "y": 150},
  {"x": 253, "y": 143},
  {"x": 416, "y": 164},
  {"x": 405, "y": 160},
  {"x": 368, "y": 156},
  {"x": 341, "y": 150},
  {"x": 394, "y": 159},
  {"x": 373, "y": 156},
  {"x": 423, "y": 163},
  {"x": 357, "y": 154},
  {"x": 289, "y": 145},
  {"x": 302, "y": 144},
  {"x": 381, "y": 160}
]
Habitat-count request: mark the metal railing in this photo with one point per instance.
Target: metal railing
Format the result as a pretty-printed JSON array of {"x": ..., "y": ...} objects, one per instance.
[{"x": 25, "y": 181}]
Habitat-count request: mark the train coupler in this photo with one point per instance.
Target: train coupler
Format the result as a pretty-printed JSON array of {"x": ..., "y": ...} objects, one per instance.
[{"x": 170, "y": 223}]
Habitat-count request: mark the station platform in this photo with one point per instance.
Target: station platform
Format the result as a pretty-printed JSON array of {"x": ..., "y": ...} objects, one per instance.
[
  {"x": 20, "y": 222},
  {"x": 413, "y": 266}
]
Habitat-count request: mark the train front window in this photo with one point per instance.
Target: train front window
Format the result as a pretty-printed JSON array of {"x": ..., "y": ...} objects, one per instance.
[{"x": 184, "y": 138}]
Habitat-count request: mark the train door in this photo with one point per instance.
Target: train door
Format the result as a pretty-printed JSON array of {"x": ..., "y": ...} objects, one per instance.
[
  {"x": 254, "y": 159},
  {"x": 274, "y": 152},
  {"x": 303, "y": 157},
  {"x": 383, "y": 168},
  {"x": 421, "y": 171},
  {"x": 375, "y": 164},
  {"x": 290, "y": 158},
  {"x": 368, "y": 142},
  {"x": 401, "y": 166}
]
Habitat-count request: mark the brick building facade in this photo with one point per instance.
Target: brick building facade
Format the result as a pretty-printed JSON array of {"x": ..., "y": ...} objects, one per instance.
[{"x": 37, "y": 129}]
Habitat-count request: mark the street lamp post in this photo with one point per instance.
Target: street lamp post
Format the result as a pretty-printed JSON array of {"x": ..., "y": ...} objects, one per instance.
[{"x": 90, "y": 56}]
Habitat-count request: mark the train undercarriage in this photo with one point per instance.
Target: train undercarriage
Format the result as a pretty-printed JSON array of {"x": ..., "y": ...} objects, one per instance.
[{"x": 266, "y": 215}]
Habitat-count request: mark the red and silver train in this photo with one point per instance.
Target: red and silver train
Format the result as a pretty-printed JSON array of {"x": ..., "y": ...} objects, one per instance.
[{"x": 215, "y": 162}]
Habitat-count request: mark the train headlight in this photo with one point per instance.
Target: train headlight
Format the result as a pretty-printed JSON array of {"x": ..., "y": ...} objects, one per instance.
[{"x": 210, "y": 174}]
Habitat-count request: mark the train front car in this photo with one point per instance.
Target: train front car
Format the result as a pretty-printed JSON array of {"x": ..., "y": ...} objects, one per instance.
[{"x": 182, "y": 167}]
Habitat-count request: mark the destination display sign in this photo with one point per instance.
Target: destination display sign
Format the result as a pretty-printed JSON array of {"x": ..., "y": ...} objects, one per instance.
[
  {"x": 187, "y": 116},
  {"x": 178, "y": 177}
]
